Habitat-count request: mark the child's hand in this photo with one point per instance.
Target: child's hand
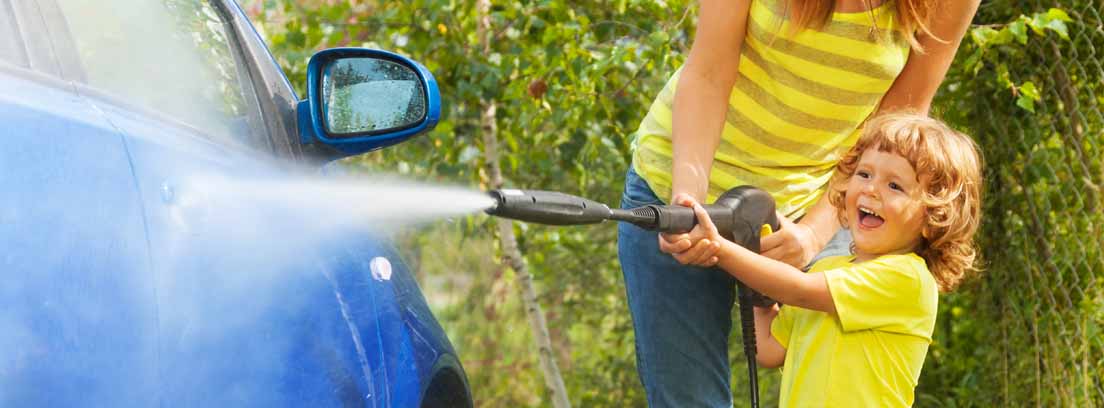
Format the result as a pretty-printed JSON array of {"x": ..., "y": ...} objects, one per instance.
[{"x": 698, "y": 247}]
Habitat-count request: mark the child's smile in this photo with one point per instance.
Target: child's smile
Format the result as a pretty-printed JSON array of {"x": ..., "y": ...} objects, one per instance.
[
  {"x": 869, "y": 218},
  {"x": 883, "y": 208}
]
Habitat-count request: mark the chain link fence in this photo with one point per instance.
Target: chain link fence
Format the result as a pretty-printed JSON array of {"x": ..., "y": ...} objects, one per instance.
[{"x": 1040, "y": 305}]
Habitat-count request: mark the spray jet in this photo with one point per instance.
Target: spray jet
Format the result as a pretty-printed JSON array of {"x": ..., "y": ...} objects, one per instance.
[{"x": 742, "y": 214}]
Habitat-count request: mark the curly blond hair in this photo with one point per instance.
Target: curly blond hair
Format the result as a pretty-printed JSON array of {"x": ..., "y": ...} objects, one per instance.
[{"x": 948, "y": 167}]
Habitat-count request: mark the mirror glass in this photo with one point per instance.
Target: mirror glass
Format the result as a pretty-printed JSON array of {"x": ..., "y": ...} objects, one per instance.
[{"x": 361, "y": 95}]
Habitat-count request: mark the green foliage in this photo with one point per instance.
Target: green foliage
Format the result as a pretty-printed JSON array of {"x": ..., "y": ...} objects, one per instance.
[
  {"x": 1029, "y": 90},
  {"x": 995, "y": 45},
  {"x": 571, "y": 81}
]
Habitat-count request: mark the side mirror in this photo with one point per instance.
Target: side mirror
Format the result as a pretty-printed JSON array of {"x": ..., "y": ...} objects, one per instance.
[{"x": 360, "y": 100}]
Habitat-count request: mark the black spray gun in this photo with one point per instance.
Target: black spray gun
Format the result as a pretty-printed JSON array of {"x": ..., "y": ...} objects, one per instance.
[{"x": 740, "y": 214}]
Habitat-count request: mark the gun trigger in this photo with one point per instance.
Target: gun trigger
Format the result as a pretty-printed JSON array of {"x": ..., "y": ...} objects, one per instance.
[{"x": 765, "y": 230}]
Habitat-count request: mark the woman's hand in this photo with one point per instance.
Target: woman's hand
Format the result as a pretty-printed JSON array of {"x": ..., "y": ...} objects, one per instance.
[
  {"x": 795, "y": 244},
  {"x": 700, "y": 246}
]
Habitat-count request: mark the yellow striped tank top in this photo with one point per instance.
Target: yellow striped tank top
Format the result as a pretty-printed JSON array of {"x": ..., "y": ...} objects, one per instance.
[{"x": 794, "y": 109}]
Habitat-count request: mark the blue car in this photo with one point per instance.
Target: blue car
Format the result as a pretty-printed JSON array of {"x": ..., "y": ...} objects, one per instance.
[{"x": 140, "y": 267}]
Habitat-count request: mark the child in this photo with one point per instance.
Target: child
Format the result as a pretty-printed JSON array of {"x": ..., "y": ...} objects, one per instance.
[{"x": 855, "y": 329}]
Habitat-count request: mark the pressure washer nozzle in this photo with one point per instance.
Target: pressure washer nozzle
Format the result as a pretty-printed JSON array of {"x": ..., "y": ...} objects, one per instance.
[
  {"x": 547, "y": 207},
  {"x": 738, "y": 213}
]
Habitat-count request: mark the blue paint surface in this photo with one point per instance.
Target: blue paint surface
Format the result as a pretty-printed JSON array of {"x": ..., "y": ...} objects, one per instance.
[{"x": 121, "y": 287}]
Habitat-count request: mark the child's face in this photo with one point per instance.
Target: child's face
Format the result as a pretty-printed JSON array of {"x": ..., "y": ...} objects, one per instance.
[{"x": 883, "y": 208}]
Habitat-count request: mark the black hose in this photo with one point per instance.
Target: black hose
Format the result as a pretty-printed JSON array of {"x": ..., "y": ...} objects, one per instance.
[{"x": 747, "y": 325}]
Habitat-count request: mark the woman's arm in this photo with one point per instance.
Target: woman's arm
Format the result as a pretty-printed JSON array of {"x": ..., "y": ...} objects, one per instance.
[
  {"x": 769, "y": 352},
  {"x": 701, "y": 98},
  {"x": 915, "y": 86}
]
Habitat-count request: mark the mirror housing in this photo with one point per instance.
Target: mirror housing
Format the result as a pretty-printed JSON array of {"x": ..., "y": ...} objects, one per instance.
[{"x": 398, "y": 99}]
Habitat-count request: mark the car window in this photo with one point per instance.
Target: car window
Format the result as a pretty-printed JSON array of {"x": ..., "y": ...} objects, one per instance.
[
  {"x": 172, "y": 56},
  {"x": 11, "y": 43}
]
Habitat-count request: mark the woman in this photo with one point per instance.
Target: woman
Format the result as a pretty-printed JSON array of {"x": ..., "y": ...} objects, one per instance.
[{"x": 773, "y": 91}]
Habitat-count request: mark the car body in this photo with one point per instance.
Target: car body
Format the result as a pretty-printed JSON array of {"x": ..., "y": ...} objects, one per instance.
[{"x": 123, "y": 286}]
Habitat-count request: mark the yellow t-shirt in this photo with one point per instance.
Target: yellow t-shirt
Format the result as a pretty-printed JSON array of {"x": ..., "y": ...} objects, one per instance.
[
  {"x": 870, "y": 353},
  {"x": 794, "y": 109}
]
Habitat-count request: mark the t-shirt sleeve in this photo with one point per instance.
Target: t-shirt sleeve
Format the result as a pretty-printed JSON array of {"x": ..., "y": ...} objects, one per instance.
[
  {"x": 889, "y": 293},
  {"x": 782, "y": 326}
]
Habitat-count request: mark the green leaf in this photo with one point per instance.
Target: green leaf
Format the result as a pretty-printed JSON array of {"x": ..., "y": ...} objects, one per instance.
[
  {"x": 1026, "y": 103},
  {"x": 1018, "y": 29},
  {"x": 1053, "y": 20},
  {"x": 982, "y": 35},
  {"x": 1004, "y": 36},
  {"x": 1059, "y": 14},
  {"x": 1028, "y": 89},
  {"x": 1059, "y": 27}
]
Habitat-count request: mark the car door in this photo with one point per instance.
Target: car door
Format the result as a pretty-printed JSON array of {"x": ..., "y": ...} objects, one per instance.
[
  {"x": 256, "y": 305},
  {"x": 76, "y": 322}
]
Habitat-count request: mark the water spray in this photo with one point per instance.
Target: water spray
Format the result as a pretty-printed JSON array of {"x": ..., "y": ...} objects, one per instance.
[{"x": 740, "y": 214}]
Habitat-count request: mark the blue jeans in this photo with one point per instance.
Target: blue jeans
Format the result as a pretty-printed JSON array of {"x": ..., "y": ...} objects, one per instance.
[{"x": 681, "y": 314}]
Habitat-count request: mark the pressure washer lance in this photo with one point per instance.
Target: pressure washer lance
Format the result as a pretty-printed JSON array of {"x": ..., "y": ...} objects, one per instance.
[{"x": 740, "y": 215}]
